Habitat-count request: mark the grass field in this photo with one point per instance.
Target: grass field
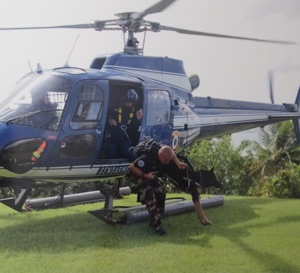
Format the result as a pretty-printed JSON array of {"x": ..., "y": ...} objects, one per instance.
[{"x": 248, "y": 235}]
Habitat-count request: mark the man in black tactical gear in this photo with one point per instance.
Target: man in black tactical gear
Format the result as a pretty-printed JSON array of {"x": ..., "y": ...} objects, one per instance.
[
  {"x": 123, "y": 125},
  {"x": 151, "y": 158},
  {"x": 151, "y": 191}
]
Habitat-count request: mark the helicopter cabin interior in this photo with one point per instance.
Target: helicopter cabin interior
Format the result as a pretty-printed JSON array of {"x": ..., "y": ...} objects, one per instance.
[{"x": 117, "y": 90}]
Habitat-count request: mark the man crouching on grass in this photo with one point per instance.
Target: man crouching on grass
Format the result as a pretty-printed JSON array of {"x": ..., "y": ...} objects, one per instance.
[{"x": 151, "y": 191}]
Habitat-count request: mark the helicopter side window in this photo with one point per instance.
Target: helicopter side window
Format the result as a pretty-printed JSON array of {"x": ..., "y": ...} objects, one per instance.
[
  {"x": 88, "y": 109},
  {"x": 159, "y": 108}
]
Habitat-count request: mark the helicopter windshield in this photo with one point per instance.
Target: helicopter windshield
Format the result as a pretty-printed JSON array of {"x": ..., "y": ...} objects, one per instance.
[{"x": 38, "y": 102}]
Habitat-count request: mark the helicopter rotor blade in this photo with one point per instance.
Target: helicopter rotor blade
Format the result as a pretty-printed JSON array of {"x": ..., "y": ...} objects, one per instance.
[
  {"x": 134, "y": 22},
  {"x": 158, "y": 27},
  {"x": 97, "y": 25},
  {"x": 156, "y": 8},
  {"x": 91, "y": 25}
]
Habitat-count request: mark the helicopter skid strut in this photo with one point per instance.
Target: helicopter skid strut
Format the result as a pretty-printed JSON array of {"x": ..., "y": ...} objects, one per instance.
[
  {"x": 17, "y": 203},
  {"x": 108, "y": 212}
]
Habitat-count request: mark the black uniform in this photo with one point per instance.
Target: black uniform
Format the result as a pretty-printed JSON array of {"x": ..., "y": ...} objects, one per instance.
[
  {"x": 185, "y": 179},
  {"x": 152, "y": 193},
  {"x": 125, "y": 134}
]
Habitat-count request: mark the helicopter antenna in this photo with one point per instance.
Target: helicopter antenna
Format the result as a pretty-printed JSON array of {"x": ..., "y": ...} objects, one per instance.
[
  {"x": 29, "y": 65},
  {"x": 144, "y": 40},
  {"x": 67, "y": 62},
  {"x": 124, "y": 38}
]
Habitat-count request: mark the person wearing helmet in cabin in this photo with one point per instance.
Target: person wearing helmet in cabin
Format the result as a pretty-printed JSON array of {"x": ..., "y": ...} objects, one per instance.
[
  {"x": 123, "y": 126},
  {"x": 44, "y": 110}
]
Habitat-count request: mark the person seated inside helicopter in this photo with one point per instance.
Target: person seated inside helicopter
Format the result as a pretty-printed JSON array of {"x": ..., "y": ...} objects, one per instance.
[
  {"x": 43, "y": 110},
  {"x": 123, "y": 126}
]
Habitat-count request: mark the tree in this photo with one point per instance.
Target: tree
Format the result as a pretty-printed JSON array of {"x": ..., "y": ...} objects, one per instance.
[
  {"x": 284, "y": 184},
  {"x": 229, "y": 164},
  {"x": 272, "y": 158}
]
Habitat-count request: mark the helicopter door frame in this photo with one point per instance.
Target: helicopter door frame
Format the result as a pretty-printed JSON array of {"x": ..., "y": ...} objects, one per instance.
[
  {"x": 117, "y": 89},
  {"x": 80, "y": 140},
  {"x": 158, "y": 117},
  {"x": 185, "y": 125}
]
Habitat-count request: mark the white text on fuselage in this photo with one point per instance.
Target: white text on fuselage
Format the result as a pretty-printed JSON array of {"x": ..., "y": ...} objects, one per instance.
[{"x": 112, "y": 170}]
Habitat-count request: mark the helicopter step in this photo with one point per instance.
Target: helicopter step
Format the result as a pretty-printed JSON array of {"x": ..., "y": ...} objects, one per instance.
[{"x": 106, "y": 213}]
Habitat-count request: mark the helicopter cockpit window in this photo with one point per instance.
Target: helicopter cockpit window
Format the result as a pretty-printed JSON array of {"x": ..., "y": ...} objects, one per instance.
[
  {"x": 159, "y": 108},
  {"x": 39, "y": 103},
  {"x": 88, "y": 109}
]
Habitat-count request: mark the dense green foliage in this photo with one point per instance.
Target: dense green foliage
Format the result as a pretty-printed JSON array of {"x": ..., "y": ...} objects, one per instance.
[
  {"x": 228, "y": 163},
  {"x": 269, "y": 167}
]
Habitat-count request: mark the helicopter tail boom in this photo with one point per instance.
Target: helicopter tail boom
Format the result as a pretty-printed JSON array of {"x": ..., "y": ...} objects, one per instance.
[{"x": 218, "y": 117}]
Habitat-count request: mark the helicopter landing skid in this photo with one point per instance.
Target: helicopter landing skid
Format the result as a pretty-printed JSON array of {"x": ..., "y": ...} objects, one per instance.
[{"x": 121, "y": 214}]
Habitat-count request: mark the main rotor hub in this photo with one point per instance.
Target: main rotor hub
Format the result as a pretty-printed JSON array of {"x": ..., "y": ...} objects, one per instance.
[{"x": 124, "y": 15}]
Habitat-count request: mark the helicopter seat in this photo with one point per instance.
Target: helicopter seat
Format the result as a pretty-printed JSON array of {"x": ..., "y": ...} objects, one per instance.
[{"x": 53, "y": 123}]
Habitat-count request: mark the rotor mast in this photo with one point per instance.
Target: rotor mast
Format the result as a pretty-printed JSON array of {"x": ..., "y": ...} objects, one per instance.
[
  {"x": 132, "y": 44},
  {"x": 131, "y": 26}
]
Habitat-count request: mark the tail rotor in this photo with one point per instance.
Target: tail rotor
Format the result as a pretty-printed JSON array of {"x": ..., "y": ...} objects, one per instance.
[
  {"x": 270, "y": 78},
  {"x": 297, "y": 121}
]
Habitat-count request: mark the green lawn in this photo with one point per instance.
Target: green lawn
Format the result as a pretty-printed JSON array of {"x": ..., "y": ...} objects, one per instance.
[{"x": 249, "y": 235}]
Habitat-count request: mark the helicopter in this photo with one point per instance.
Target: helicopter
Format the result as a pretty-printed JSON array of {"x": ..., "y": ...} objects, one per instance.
[{"x": 70, "y": 145}]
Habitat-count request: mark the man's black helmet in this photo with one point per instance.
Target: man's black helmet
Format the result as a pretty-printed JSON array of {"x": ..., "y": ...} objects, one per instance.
[{"x": 131, "y": 96}]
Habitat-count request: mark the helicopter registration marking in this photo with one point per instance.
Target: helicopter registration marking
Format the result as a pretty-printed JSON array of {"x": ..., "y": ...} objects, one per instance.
[{"x": 112, "y": 170}]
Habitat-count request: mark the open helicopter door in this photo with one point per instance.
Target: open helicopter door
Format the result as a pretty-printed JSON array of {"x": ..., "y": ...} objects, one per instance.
[{"x": 117, "y": 96}]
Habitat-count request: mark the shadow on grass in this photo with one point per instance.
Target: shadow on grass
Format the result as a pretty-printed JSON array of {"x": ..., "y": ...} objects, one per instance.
[
  {"x": 237, "y": 225},
  {"x": 63, "y": 230}
]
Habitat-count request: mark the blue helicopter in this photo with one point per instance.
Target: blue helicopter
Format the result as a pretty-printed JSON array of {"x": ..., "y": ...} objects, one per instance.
[{"x": 65, "y": 141}]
